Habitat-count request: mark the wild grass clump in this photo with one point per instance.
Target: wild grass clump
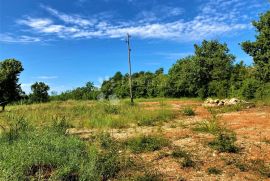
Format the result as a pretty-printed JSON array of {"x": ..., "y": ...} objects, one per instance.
[
  {"x": 214, "y": 171},
  {"x": 225, "y": 142},
  {"x": 146, "y": 143},
  {"x": 188, "y": 111},
  {"x": 185, "y": 156},
  {"x": 262, "y": 167},
  {"x": 208, "y": 126}
]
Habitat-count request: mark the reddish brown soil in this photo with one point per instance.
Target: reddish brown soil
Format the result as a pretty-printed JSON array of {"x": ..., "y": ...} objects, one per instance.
[{"x": 252, "y": 128}]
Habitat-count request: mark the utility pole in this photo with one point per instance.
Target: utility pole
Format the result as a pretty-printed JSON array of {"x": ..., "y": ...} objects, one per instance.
[{"x": 129, "y": 63}]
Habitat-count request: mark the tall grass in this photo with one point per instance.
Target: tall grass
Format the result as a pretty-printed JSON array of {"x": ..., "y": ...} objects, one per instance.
[
  {"x": 49, "y": 154},
  {"x": 91, "y": 114}
]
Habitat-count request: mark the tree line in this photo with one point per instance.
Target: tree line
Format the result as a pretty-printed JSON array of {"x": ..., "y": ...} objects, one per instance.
[{"x": 210, "y": 72}]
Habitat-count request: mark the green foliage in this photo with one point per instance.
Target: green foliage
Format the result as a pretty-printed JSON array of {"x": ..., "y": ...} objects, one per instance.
[
  {"x": 145, "y": 84},
  {"x": 40, "y": 92},
  {"x": 88, "y": 92},
  {"x": 260, "y": 49},
  {"x": 207, "y": 73},
  {"x": 146, "y": 143},
  {"x": 10, "y": 90},
  {"x": 225, "y": 142},
  {"x": 214, "y": 171},
  {"x": 249, "y": 87}
]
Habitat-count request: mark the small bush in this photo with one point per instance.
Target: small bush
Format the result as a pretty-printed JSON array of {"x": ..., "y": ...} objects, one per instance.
[
  {"x": 225, "y": 142},
  {"x": 147, "y": 143},
  {"x": 188, "y": 112},
  {"x": 214, "y": 171}
]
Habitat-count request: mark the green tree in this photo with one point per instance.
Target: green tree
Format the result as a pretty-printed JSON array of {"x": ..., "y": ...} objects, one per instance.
[
  {"x": 207, "y": 73},
  {"x": 260, "y": 49},
  {"x": 215, "y": 67},
  {"x": 183, "y": 78},
  {"x": 10, "y": 89},
  {"x": 40, "y": 92}
]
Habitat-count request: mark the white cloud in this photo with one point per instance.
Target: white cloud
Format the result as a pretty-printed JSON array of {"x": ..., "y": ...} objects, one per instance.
[
  {"x": 18, "y": 39},
  {"x": 215, "y": 18},
  {"x": 70, "y": 19}
]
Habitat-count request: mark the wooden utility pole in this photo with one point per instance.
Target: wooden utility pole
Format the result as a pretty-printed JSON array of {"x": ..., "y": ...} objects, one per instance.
[{"x": 130, "y": 75}]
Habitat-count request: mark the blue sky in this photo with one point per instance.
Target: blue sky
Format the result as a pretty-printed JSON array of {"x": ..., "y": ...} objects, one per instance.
[{"x": 66, "y": 43}]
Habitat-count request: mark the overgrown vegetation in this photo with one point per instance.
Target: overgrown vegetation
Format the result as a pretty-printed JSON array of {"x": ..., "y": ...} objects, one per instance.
[{"x": 91, "y": 114}]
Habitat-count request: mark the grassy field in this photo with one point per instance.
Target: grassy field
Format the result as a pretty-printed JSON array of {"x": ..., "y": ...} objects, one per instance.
[
  {"x": 157, "y": 139},
  {"x": 89, "y": 114}
]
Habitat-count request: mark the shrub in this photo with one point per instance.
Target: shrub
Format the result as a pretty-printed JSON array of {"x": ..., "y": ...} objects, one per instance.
[
  {"x": 147, "y": 143},
  {"x": 225, "y": 142}
]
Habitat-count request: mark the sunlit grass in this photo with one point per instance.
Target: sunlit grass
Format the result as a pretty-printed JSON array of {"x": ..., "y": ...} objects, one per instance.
[{"x": 90, "y": 114}]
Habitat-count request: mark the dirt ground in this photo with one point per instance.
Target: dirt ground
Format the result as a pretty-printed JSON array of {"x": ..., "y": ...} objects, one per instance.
[{"x": 252, "y": 128}]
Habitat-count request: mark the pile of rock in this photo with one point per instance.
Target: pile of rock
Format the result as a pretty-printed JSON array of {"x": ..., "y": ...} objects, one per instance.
[{"x": 222, "y": 102}]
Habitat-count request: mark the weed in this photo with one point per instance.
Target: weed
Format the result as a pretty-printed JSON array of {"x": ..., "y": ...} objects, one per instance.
[
  {"x": 146, "y": 143},
  {"x": 242, "y": 167},
  {"x": 225, "y": 142},
  {"x": 188, "y": 111},
  {"x": 214, "y": 171},
  {"x": 209, "y": 126},
  {"x": 187, "y": 161},
  {"x": 262, "y": 167}
]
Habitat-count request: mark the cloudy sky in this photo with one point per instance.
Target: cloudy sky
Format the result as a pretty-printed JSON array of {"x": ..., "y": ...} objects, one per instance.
[{"x": 66, "y": 43}]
